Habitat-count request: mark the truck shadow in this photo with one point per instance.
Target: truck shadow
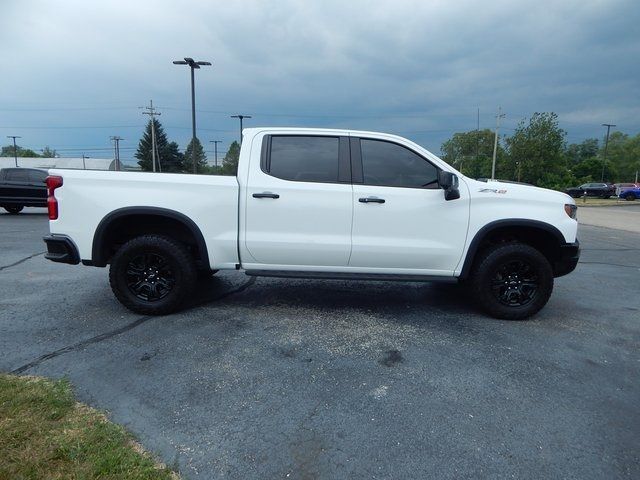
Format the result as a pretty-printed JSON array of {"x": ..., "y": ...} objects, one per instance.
[{"x": 388, "y": 298}]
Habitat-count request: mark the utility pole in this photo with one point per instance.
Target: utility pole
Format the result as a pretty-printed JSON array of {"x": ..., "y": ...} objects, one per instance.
[
  {"x": 606, "y": 144},
  {"x": 116, "y": 145},
  {"x": 215, "y": 149},
  {"x": 495, "y": 143},
  {"x": 84, "y": 165},
  {"x": 240, "y": 117},
  {"x": 193, "y": 65},
  {"x": 154, "y": 148},
  {"x": 15, "y": 148}
]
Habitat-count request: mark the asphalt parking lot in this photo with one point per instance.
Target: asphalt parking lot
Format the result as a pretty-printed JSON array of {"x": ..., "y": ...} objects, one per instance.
[{"x": 330, "y": 379}]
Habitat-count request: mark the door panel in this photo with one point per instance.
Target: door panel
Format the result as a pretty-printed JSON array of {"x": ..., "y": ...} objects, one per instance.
[
  {"x": 412, "y": 229},
  {"x": 415, "y": 227},
  {"x": 309, "y": 222}
]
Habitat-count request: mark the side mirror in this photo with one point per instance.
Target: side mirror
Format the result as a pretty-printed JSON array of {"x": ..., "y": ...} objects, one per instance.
[{"x": 449, "y": 183}]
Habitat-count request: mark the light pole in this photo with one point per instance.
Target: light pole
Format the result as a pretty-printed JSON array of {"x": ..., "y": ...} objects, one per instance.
[
  {"x": 240, "y": 117},
  {"x": 84, "y": 165},
  {"x": 606, "y": 144},
  {"x": 193, "y": 65},
  {"x": 215, "y": 150},
  {"x": 15, "y": 149}
]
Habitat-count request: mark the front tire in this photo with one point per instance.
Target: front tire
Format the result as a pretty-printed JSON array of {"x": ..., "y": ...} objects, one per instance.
[
  {"x": 14, "y": 209},
  {"x": 512, "y": 281},
  {"x": 152, "y": 275}
]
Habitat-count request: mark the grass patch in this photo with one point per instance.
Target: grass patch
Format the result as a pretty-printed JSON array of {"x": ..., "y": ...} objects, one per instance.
[
  {"x": 601, "y": 202},
  {"x": 46, "y": 434}
]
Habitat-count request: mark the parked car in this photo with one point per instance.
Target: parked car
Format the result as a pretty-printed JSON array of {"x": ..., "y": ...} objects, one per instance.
[
  {"x": 602, "y": 190},
  {"x": 630, "y": 194},
  {"x": 22, "y": 187},
  {"x": 314, "y": 203},
  {"x": 621, "y": 187}
]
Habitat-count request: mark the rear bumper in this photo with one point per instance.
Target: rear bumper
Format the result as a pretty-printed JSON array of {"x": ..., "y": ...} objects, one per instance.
[
  {"x": 569, "y": 256},
  {"x": 61, "y": 248}
]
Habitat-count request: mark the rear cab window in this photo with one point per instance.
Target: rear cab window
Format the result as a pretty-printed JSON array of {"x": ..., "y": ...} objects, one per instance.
[
  {"x": 17, "y": 175},
  {"x": 302, "y": 158},
  {"x": 37, "y": 176}
]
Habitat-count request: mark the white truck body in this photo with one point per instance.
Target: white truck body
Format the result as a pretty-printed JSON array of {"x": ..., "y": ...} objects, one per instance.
[{"x": 315, "y": 226}]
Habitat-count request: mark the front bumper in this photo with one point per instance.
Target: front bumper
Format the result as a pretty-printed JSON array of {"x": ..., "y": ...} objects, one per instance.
[
  {"x": 569, "y": 256},
  {"x": 61, "y": 248}
]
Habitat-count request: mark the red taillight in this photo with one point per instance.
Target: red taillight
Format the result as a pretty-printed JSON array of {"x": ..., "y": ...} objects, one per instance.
[{"x": 53, "y": 182}]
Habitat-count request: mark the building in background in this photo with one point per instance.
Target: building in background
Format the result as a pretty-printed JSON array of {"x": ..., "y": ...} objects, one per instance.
[{"x": 64, "y": 162}]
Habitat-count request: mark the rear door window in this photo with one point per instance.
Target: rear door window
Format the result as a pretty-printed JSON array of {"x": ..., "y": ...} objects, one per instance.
[{"x": 304, "y": 158}]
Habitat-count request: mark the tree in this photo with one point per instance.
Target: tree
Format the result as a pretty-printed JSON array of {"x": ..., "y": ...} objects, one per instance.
[
  {"x": 538, "y": 148},
  {"x": 169, "y": 157},
  {"x": 7, "y": 151},
  {"x": 579, "y": 152},
  {"x": 230, "y": 160},
  {"x": 201, "y": 158},
  {"x": 472, "y": 152},
  {"x": 48, "y": 153}
]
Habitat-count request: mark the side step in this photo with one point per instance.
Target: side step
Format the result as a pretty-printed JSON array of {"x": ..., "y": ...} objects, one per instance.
[{"x": 380, "y": 277}]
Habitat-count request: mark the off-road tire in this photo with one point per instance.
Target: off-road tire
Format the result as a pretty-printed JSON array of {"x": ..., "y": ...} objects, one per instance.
[
  {"x": 13, "y": 209},
  {"x": 486, "y": 273},
  {"x": 179, "y": 264}
]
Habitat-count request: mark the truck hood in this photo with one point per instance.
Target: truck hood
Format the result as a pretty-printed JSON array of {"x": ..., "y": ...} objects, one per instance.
[{"x": 516, "y": 190}]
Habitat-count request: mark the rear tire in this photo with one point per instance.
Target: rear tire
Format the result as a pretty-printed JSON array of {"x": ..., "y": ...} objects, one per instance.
[
  {"x": 152, "y": 275},
  {"x": 14, "y": 209},
  {"x": 629, "y": 197},
  {"x": 511, "y": 281}
]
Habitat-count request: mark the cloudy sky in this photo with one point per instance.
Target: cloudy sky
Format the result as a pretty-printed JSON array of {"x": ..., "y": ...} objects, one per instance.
[{"x": 75, "y": 72}]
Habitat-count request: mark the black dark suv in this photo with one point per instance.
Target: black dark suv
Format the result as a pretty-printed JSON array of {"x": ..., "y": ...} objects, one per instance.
[
  {"x": 22, "y": 187},
  {"x": 602, "y": 190}
]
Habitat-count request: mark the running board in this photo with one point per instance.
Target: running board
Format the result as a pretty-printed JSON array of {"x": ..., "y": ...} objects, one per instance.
[{"x": 380, "y": 277}]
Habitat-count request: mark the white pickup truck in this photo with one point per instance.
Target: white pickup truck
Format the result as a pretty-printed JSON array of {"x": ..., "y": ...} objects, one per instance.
[{"x": 316, "y": 203}]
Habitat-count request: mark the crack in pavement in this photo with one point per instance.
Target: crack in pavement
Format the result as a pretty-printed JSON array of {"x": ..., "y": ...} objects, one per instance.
[
  {"x": 113, "y": 333},
  {"x": 21, "y": 261}
]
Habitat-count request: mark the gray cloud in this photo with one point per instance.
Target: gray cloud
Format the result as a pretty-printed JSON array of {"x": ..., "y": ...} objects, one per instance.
[{"x": 411, "y": 67}]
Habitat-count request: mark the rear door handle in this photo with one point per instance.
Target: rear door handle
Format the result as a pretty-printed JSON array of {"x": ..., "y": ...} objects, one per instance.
[
  {"x": 266, "y": 195},
  {"x": 371, "y": 200}
]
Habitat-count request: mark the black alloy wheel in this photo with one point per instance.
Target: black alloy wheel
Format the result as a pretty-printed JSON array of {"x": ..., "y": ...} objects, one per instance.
[
  {"x": 515, "y": 284},
  {"x": 149, "y": 277}
]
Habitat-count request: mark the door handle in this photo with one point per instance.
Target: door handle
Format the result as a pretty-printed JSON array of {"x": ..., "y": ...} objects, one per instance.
[
  {"x": 371, "y": 200},
  {"x": 266, "y": 195}
]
